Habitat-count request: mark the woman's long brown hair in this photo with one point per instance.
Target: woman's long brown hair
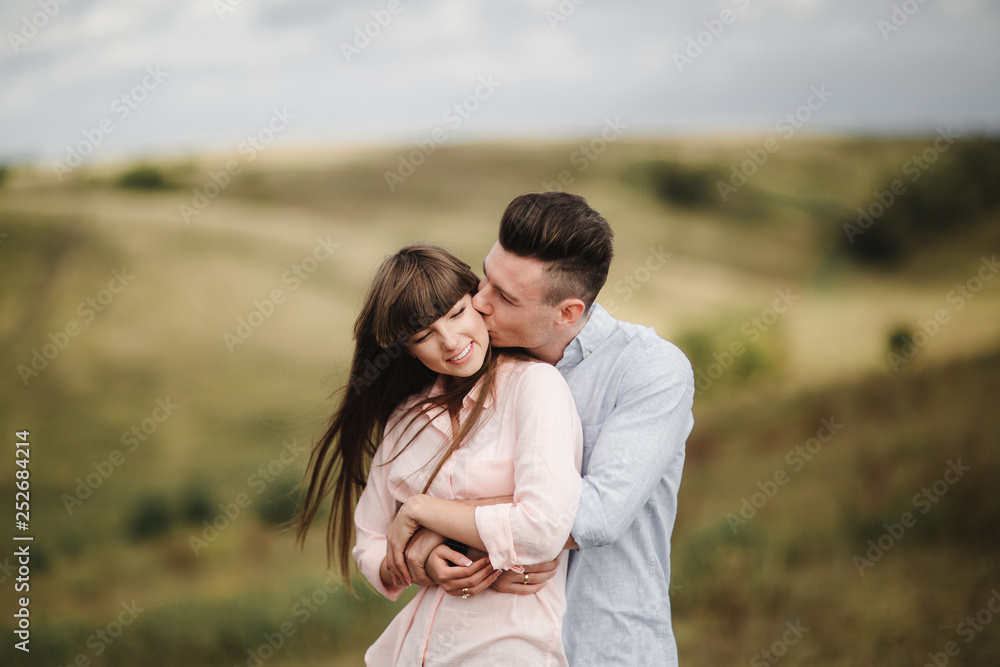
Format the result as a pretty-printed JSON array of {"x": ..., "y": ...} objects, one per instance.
[{"x": 411, "y": 289}]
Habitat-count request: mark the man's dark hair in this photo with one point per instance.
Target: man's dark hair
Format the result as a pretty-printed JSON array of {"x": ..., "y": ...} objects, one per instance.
[{"x": 562, "y": 230}]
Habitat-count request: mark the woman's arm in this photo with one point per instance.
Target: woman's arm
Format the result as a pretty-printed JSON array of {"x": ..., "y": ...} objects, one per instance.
[
  {"x": 425, "y": 541},
  {"x": 547, "y": 454},
  {"x": 450, "y": 518},
  {"x": 373, "y": 517},
  {"x": 535, "y": 526}
]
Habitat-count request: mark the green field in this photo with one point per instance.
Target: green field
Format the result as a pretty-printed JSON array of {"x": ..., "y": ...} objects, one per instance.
[{"x": 172, "y": 345}]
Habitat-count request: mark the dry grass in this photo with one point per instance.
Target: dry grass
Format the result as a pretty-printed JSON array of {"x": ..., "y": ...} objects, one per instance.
[{"x": 163, "y": 336}]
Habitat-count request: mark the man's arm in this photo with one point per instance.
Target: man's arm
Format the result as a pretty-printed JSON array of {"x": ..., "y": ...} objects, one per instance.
[{"x": 638, "y": 442}]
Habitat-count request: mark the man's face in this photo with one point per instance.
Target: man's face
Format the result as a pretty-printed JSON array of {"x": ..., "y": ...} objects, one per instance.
[{"x": 510, "y": 299}]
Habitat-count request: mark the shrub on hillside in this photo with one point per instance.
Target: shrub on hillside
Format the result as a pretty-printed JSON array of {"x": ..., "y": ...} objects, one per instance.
[
  {"x": 279, "y": 503},
  {"x": 150, "y": 518},
  {"x": 677, "y": 184},
  {"x": 931, "y": 200},
  {"x": 723, "y": 354},
  {"x": 900, "y": 338},
  {"x": 144, "y": 177},
  {"x": 196, "y": 505}
]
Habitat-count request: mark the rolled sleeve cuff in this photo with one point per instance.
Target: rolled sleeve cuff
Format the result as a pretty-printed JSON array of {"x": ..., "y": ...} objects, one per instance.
[
  {"x": 493, "y": 524},
  {"x": 590, "y": 528},
  {"x": 369, "y": 563}
]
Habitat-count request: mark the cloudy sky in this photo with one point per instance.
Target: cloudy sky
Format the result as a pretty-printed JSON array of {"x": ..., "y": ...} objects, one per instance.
[{"x": 167, "y": 76}]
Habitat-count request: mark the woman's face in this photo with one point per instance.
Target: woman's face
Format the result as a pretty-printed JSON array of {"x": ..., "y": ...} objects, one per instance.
[{"x": 454, "y": 344}]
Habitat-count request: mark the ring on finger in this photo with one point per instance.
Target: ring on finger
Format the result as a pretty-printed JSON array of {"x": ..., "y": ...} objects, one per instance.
[
  {"x": 525, "y": 582},
  {"x": 465, "y": 593}
]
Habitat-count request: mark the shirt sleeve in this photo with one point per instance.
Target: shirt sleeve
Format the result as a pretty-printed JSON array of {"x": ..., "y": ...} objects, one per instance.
[
  {"x": 547, "y": 454},
  {"x": 641, "y": 439},
  {"x": 372, "y": 517}
]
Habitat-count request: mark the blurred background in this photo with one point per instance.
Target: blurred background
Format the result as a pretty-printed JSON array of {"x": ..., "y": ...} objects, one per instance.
[{"x": 194, "y": 195}]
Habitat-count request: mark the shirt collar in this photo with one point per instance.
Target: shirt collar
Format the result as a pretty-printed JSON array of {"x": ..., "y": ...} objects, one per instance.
[{"x": 598, "y": 328}]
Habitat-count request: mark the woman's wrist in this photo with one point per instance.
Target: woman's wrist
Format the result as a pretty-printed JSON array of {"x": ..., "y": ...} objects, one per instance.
[{"x": 414, "y": 506}]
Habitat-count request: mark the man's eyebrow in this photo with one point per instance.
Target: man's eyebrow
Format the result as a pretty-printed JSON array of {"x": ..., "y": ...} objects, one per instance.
[{"x": 505, "y": 294}]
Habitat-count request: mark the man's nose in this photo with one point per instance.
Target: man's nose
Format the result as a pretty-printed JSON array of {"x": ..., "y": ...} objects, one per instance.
[{"x": 481, "y": 303}]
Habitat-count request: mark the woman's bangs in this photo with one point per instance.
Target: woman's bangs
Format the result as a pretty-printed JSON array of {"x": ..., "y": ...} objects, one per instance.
[{"x": 422, "y": 297}]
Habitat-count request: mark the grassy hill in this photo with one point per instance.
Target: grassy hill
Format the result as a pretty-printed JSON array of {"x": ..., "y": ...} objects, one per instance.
[{"x": 170, "y": 364}]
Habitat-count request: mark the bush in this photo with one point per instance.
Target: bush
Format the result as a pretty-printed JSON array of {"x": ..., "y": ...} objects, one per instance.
[
  {"x": 678, "y": 184},
  {"x": 900, "y": 338},
  {"x": 196, "y": 505},
  {"x": 144, "y": 177},
  {"x": 279, "y": 503},
  {"x": 710, "y": 351},
  {"x": 150, "y": 518},
  {"x": 952, "y": 194}
]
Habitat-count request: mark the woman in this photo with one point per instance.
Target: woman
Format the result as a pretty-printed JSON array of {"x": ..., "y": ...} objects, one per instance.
[{"x": 434, "y": 416}]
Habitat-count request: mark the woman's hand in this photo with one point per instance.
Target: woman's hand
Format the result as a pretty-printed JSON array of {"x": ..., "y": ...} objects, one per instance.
[
  {"x": 400, "y": 532},
  {"x": 457, "y": 579}
]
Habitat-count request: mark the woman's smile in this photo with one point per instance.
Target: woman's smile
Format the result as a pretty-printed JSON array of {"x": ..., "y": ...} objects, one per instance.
[{"x": 461, "y": 356}]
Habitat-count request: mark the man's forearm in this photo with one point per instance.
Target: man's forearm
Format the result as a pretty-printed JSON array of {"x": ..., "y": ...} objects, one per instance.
[
  {"x": 385, "y": 575},
  {"x": 479, "y": 502}
]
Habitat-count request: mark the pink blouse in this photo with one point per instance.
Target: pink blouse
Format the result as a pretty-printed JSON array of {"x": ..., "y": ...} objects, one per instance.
[{"x": 528, "y": 446}]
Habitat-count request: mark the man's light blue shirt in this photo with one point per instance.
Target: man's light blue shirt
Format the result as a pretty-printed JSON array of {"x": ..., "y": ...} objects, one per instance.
[{"x": 634, "y": 392}]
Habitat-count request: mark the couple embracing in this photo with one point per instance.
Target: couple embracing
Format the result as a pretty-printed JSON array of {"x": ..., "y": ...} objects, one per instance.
[{"x": 518, "y": 457}]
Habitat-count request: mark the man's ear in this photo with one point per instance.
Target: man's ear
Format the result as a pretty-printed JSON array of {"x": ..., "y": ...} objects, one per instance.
[{"x": 570, "y": 312}]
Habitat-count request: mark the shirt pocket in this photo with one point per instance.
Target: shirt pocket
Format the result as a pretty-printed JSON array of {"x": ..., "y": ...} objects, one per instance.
[{"x": 489, "y": 478}]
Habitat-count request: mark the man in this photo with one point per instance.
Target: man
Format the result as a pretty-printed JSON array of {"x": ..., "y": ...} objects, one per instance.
[{"x": 634, "y": 392}]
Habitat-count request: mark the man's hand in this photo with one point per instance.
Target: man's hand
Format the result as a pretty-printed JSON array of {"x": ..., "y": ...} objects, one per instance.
[
  {"x": 418, "y": 550},
  {"x": 459, "y": 579},
  {"x": 538, "y": 575}
]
